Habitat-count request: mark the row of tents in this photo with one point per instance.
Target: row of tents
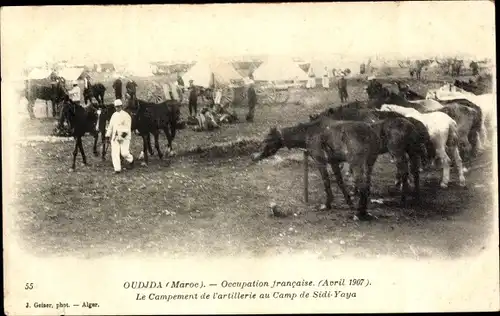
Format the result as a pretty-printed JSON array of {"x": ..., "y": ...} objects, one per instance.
[{"x": 205, "y": 73}]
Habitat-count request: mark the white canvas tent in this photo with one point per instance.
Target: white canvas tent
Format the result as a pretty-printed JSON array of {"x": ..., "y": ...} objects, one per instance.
[
  {"x": 39, "y": 73},
  {"x": 70, "y": 74},
  {"x": 277, "y": 69},
  {"x": 206, "y": 74},
  {"x": 139, "y": 70}
]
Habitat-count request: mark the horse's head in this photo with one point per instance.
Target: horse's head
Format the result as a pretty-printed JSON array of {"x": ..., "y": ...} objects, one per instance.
[
  {"x": 270, "y": 146},
  {"x": 327, "y": 112}
]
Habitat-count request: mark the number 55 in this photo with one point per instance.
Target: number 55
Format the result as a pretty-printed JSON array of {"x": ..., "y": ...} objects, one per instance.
[{"x": 28, "y": 286}]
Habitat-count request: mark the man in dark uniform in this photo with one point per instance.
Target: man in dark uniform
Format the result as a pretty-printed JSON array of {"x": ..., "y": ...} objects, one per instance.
[
  {"x": 342, "y": 85},
  {"x": 252, "y": 100},
  {"x": 131, "y": 88},
  {"x": 374, "y": 88},
  {"x": 117, "y": 86},
  {"x": 180, "y": 82},
  {"x": 193, "y": 99}
]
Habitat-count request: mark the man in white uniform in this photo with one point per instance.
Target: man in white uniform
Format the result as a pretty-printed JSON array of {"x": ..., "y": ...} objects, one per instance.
[
  {"x": 119, "y": 133},
  {"x": 75, "y": 93}
]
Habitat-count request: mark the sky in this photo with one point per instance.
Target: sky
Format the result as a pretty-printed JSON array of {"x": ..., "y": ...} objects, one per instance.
[{"x": 31, "y": 35}]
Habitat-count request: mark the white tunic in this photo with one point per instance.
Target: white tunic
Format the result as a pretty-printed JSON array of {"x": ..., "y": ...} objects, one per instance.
[
  {"x": 74, "y": 94},
  {"x": 120, "y": 122}
]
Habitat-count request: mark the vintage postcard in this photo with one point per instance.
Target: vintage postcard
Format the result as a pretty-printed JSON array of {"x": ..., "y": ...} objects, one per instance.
[{"x": 250, "y": 158}]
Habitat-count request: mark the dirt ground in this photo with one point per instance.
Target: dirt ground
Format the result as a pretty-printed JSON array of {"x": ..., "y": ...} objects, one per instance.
[{"x": 201, "y": 204}]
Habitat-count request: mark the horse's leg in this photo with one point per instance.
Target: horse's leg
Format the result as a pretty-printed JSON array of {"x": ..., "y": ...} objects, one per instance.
[
  {"x": 157, "y": 144},
  {"x": 170, "y": 138},
  {"x": 31, "y": 110},
  {"x": 415, "y": 171},
  {"x": 362, "y": 175},
  {"x": 75, "y": 152},
  {"x": 80, "y": 146},
  {"x": 150, "y": 148},
  {"x": 145, "y": 142},
  {"x": 103, "y": 141},
  {"x": 445, "y": 162},
  {"x": 402, "y": 167},
  {"x": 94, "y": 148},
  {"x": 321, "y": 164},
  {"x": 340, "y": 183},
  {"x": 458, "y": 162}
]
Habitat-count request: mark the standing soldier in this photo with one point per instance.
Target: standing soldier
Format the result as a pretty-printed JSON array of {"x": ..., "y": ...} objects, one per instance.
[
  {"x": 342, "y": 85},
  {"x": 311, "y": 83},
  {"x": 117, "y": 86},
  {"x": 75, "y": 93},
  {"x": 193, "y": 99},
  {"x": 87, "y": 92},
  {"x": 119, "y": 135},
  {"x": 180, "y": 82},
  {"x": 326, "y": 79},
  {"x": 252, "y": 100}
]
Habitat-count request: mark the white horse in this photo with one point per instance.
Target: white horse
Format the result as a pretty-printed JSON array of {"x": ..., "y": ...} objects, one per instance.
[
  {"x": 486, "y": 102},
  {"x": 443, "y": 132}
]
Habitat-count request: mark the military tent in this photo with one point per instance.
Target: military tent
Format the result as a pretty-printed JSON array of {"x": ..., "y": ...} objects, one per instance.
[
  {"x": 218, "y": 74},
  {"x": 70, "y": 74},
  {"x": 39, "y": 73},
  {"x": 279, "y": 69}
]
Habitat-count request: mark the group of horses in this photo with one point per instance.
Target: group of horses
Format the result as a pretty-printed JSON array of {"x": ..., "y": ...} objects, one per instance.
[
  {"x": 418, "y": 132},
  {"x": 147, "y": 119},
  {"x": 57, "y": 94}
]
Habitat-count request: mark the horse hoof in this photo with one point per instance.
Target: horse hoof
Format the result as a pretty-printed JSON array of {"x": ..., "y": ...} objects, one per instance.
[
  {"x": 443, "y": 185},
  {"x": 363, "y": 217},
  {"x": 421, "y": 169},
  {"x": 144, "y": 164},
  {"x": 465, "y": 170},
  {"x": 462, "y": 182},
  {"x": 141, "y": 155},
  {"x": 71, "y": 170}
]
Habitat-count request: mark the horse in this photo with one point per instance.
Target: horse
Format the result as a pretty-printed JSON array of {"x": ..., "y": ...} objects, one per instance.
[
  {"x": 443, "y": 131},
  {"x": 95, "y": 91},
  {"x": 150, "y": 118},
  {"x": 54, "y": 93},
  {"x": 467, "y": 115},
  {"x": 399, "y": 137},
  {"x": 485, "y": 104},
  {"x": 422, "y": 106},
  {"x": 333, "y": 142},
  {"x": 83, "y": 120}
]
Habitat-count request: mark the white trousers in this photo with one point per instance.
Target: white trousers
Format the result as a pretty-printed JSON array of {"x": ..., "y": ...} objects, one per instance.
[
  {"x": 123, "y": 149},
  {"x": 326, "y": 82}
]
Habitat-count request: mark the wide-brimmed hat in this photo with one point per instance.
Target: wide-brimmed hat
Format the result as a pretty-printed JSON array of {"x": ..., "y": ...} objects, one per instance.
[{"x": 118, "y": 102}]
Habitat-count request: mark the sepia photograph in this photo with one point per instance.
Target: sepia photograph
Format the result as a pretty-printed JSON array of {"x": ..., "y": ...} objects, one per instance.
[{"x": 228, "y": 158}]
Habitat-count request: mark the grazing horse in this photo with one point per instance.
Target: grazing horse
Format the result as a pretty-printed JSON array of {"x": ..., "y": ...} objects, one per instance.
[
  {"x": 443, "y": 131},
  {"x": 150, "y": 118},
  {"x": 95, "y": 91},
  {"x": 332, "y": 142},
  {"x": 399, "y": 137},
  {"x": 83, "y": 120},
  {"x": 54, "y": 93}
]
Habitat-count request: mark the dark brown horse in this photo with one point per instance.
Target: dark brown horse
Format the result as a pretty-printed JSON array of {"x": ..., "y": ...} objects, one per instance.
[
  {"x": 36, "y": 89},
  {"x": 82, "y": 120},
  {"x": 95, "y": 91},
  {"x": 403, "y": 138},
  {"x": 150, "y": 118},
  {"x": 332, "y": 142}
]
